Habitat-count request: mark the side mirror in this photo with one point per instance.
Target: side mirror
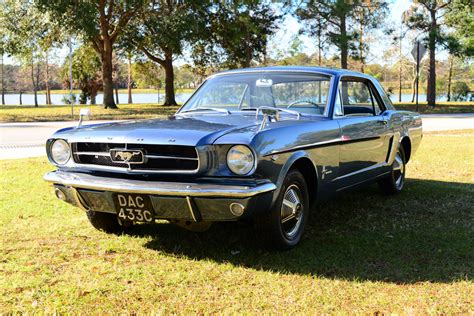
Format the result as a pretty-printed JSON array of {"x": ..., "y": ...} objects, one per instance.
[{"x": 82, "y": 113}]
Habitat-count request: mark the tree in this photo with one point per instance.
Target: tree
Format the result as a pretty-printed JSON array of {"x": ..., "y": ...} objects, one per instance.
[
  {"x": 314, "y": 27},
  {"x": 101, "y": 23},
  {"x": 460, "y": 18},
  {"x": 240, "y": 30},
  {"x": 86, "y": 72},
  {"x": 161, "y": 33},
  {"x": 339, "y": 20},
  {"x": 148, "y": 74},
  {"x": 460, "y": 42},
  {"x": 369, "y": 16},
  {"x": 27, "y": 30},
  {"x": 427, "y": 16},
  {"x": 460, "y": 91},
  {"x": 2, "y": 80},
  {"x": 50, "y": 39},
  {"x": 126, "y": 50}
]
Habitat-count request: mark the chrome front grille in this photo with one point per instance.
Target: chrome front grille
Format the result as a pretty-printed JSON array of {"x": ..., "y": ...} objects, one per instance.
[{"x": 158, "y": 158}]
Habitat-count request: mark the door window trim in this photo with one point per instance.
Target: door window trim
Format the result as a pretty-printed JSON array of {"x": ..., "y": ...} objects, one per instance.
[{"x": 373, "y": 94}]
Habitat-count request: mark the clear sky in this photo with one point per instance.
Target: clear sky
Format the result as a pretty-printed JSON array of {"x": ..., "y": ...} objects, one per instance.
[{"x": 290, "y": 27}]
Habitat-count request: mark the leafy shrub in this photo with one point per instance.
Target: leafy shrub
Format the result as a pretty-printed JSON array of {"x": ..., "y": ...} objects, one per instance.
[
  {"x": 69, "y": 99},
  {"x": 460, "y": 91}
]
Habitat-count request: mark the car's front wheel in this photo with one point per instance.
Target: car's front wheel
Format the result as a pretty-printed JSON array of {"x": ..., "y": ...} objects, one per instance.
[
  {"x": 283, "y": 226},
  {"x": 395, "y": 181}
]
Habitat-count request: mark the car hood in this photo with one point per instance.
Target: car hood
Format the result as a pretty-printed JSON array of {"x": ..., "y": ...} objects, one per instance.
[{"x": 191, "y": 130}]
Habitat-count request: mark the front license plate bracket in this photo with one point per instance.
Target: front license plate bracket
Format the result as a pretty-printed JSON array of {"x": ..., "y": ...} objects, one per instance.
[{"x": 134, "y": 207}]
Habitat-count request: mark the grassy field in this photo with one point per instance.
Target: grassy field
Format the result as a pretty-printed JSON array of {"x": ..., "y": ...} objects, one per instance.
[
  {"x": 365, "y": 253},
  {"x": 440, "y": 108},
  {"x": 43, "y": 113}
]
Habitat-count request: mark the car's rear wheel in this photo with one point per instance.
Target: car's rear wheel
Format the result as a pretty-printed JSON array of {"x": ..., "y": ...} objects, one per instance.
[
  {"x": 106, "y": 222},
  {"x": 395, "y": 181},
  {"x": 283, "y": 226}
]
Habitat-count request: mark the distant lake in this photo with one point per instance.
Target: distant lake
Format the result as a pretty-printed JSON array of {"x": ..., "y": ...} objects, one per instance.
[{"x": 28, "y": 99}]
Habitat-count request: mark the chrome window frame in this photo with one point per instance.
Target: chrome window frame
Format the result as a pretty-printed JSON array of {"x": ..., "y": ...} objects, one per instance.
[{"x": 329, "y": 102}]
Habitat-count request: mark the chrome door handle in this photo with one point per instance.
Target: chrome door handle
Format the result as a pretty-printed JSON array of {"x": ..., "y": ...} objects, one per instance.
[{"x": 383, "y": 122}]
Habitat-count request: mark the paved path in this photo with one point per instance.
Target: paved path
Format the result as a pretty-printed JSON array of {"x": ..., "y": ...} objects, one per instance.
[{"x": 22, "y": 140}]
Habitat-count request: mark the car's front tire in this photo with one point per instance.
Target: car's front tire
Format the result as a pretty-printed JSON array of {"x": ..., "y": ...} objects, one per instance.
[
  {"x": 395, "y": 181},
  {"x": 106, "y": 222},
  {"x": 283, "y": 226}
]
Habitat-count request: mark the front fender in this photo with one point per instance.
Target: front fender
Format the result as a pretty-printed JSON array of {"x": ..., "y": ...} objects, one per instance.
[{"x": 294, "y": 156}]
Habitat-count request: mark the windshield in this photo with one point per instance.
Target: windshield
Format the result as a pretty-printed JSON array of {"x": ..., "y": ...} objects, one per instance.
[{"x": 302, "y": 92}]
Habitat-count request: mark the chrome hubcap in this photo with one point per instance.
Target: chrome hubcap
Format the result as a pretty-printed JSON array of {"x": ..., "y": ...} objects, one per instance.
[
  {"x": 291, "y": 211},
  {"x": 398, "y": 169}
]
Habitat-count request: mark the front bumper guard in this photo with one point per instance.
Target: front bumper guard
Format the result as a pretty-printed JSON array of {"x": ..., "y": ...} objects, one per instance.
[{"x": 91, "y": 182}]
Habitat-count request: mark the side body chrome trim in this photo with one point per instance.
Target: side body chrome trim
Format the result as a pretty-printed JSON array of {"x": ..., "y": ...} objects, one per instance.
[
  {"x": 326, "y": 142},
  {"x": 378, "y": 165},
  {"x": 87, "y": 181}
]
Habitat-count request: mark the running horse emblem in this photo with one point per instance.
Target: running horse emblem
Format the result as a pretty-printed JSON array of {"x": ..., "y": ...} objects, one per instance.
[{"x": 125, "y": 156}]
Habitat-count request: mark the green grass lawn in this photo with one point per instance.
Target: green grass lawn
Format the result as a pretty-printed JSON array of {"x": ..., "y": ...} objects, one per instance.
[
  {"x": 45, "y": 113},
  {"x": 440, "y": 108},
  {"x": 365, "y": 253}
]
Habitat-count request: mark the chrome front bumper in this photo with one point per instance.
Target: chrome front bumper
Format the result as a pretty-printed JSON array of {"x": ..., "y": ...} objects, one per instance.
[{"x": 90, "y": 182}]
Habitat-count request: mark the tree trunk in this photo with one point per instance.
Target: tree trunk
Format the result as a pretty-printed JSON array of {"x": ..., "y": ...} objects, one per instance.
[
  {"x": 108, "y": 83},
  {"x": 344, "y": 44},
  {"x": 21, "y": 94},
  {"x": 116, "y": 95},
  {"x": 431, "y": 82},
  {"x": 169, "y": 80},
  {"x": 400, "y": 82},
  {"x": 400, "y": 68},
  {"x": 33, "y": 81},
  {"x": 320, "y": 45},
  {"x": 413, "y": 88},
  {"x": 3, "y": 83},
  {"x": 129, "y": 81},
  {"x": 450, "y": 76},
  {"x": 93, "y": 97},
  {"x": 361, "y": 46},
  {"x": 46, "y": 82}
]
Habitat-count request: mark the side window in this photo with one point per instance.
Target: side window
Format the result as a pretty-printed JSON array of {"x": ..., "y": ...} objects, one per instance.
[
  {"x": 357, "y": 98},
  {"x": 386, "y": 100},
  {"x": 378, "y": 107},
  {"x": 338, "y": 103}
]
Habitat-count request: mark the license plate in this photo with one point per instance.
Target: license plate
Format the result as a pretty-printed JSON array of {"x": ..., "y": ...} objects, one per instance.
[{"x": 133, "y": 207}]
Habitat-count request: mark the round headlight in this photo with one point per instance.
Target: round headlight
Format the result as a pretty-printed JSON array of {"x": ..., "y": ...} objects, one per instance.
[
  {"x": 60, "y": 151},
  {"x": 240, "y": 159}
]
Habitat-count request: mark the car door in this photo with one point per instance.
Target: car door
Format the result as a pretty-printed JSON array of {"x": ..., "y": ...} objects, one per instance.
[{"x": 365, "y": 134}]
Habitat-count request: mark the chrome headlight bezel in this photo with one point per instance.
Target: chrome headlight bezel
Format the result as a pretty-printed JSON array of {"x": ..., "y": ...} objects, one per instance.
[
  {"x": 246, "y": 155},
  {"x": 55, "y": 154}
]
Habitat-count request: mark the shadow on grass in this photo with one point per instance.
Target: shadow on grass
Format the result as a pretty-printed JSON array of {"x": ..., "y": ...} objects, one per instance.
[{"x": 423, "y": 234}]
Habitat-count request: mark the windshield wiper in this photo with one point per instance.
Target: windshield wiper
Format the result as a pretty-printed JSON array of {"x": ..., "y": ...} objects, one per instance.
[
  {"x": 206, "y": 109},
  {"x": 263, "y": 109}
]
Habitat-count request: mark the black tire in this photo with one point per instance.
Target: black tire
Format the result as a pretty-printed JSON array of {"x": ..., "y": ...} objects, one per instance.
[
  {"x": 105, "y": 222},
  {"x": 285, "y": 232},
  {"x": 395, "y": 181}
]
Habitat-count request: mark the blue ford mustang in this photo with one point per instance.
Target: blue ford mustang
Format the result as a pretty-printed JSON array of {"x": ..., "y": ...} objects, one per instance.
[{"x": 264, "y": 144}]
